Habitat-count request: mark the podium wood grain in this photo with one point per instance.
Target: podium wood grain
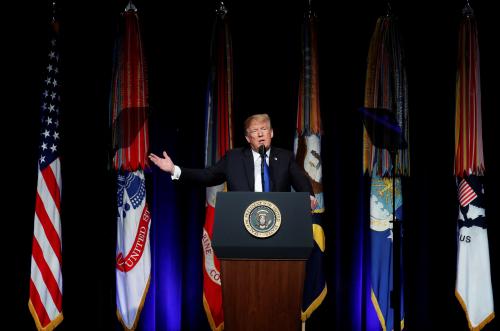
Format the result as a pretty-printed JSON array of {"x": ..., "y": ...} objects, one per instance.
[{"x": 262, "y": 294}]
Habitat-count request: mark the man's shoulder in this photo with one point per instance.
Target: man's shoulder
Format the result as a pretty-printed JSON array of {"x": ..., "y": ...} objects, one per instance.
[
  {"x": 281, "y": 151},
  {"x": 238, "y": 151},
  {"x": 246, "y": 150}
]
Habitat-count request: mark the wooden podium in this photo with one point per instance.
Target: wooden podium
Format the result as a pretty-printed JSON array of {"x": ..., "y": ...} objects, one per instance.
[{"x": 262, "y": 277}]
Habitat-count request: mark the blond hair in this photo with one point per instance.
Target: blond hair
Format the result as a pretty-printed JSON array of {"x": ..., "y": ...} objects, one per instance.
[{"x": 258, "y": 118}]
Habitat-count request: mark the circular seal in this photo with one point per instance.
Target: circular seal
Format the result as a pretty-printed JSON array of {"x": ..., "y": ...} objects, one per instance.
[{"x": 262, "y": 219}]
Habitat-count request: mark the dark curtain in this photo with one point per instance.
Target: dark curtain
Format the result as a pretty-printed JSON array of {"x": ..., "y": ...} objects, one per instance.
[{"x": 266, "y": 46}]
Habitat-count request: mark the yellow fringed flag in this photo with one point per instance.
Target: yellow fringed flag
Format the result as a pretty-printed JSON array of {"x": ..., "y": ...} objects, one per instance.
[
  {"x": 386, "y": 88},
  {"x": 473, "y": 283},
  {"x": 308, "y": 155}
]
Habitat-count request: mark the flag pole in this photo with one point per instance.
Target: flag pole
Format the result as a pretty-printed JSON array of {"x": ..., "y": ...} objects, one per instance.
[
  {"x": 53, "y": 12},
  {"x": 130, "y": 7},
  {"x": 396, "y": 244}
]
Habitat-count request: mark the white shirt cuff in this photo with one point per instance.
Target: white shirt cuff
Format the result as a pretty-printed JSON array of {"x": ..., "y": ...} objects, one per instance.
[{"x": 177, "y": 173}]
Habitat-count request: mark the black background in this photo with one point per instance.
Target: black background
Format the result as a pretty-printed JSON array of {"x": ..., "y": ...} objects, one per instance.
[{"x": 266, "y": 49}]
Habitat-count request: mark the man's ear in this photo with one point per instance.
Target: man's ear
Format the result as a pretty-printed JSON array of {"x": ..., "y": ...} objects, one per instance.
[
  {"x": 248, "y": 139},
  {"x": 272, "y": 133}
]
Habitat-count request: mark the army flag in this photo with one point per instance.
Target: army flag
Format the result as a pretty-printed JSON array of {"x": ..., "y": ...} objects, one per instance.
[{"x": 128, "y": 108}]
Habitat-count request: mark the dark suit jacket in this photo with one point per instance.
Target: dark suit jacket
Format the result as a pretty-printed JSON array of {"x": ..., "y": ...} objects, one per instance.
[{"x": 237, "y": 169}]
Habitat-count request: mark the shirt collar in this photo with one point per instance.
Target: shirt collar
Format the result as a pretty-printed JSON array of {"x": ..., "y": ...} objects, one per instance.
[{"x": 256, "y": 155}]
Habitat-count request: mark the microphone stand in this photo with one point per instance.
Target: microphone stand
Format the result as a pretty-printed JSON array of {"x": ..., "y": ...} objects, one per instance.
[
  {"x": 396, "y": 249},
  {"x": 262, "y": 152}
]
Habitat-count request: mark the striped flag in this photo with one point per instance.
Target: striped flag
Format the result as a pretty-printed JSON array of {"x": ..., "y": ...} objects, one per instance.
[
  {"x": 473, "y": 283},
  {"x": 46, "y": 283},
  {"x": 128, "y": 108},
  {"x": 385, "y": 87},
  {"x": 307, "y": 148},
  {"x": 465, "y": 193},
  {"x": 218, "y": 140}
]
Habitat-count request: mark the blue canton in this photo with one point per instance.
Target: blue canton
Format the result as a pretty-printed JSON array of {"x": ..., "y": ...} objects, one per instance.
[{"x": 50, "y": 105}]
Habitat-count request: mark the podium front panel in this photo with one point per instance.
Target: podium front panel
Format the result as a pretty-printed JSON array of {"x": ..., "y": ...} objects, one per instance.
[{"x": 293, "y": 239}]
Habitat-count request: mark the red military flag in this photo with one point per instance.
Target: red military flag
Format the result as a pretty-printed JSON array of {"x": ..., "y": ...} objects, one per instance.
[
  {"x": 218, "y": 140},
  {"x": 46, "y": 283},
  {"x": 128, "y": 106}
]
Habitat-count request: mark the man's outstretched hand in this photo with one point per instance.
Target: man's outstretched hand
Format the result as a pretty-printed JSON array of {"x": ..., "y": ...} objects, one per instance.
[
  {"x": 314, "y": 202},
  {"x": 164, "y": 163}
]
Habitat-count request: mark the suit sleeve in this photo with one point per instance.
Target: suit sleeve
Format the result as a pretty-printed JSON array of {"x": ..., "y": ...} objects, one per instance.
[
  {"x": 300, "y": 182},
  {"x": 209, "y": 176}
]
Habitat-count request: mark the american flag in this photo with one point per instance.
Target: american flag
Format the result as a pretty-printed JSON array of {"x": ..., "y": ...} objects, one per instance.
[
  {"x": 46, "y": 287},
  {"x": 465, "y": 193}
]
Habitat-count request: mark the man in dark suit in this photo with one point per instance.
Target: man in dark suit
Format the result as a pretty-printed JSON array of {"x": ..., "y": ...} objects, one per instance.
[{"x": 241, "y": 167}]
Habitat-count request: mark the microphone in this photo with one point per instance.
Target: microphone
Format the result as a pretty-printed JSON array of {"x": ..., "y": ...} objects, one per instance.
[{"x": 262, "y": 151}]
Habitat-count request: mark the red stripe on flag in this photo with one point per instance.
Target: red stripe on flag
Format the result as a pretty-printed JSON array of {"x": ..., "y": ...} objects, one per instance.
[
  {"x": 48, "y": 227},
  {"x": 52, "y": 185},
  {"x": 466, "y": 194},
  {"x": 40, "y": 311},
  {"x": 47, "y": 275}
]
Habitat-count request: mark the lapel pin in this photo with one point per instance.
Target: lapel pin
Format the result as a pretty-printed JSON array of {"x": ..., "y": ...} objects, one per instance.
[{"x": 275, "y": 158}]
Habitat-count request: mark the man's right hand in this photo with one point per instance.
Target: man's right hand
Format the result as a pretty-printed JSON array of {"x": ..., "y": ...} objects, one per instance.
[{"x": 164, "y": 163}]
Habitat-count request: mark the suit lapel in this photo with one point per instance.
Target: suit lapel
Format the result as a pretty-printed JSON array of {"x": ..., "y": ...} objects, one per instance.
[{"x": 249, "y": 168}]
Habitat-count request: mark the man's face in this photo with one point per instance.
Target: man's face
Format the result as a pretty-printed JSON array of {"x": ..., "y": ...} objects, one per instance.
[{"x": 259, "y": 133}]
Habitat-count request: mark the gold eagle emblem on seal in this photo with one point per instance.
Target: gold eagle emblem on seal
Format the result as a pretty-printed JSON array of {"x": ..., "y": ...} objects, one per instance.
[{"x": 262, "y": 219}]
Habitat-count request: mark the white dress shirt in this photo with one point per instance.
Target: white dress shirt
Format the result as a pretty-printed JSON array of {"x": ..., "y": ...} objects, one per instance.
[{"x": 256, "y": 169}]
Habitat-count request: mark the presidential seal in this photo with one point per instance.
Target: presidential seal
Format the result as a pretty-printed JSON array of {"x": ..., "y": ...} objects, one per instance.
[{"x": 262, "y": 219}]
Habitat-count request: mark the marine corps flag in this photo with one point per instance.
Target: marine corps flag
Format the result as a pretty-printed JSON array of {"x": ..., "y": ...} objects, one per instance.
[
  {"x": 129, "y": 124},
  {"x": 386, "y": 88},
  {"x": 307, "y": 147},
  {"x": 473, "y": 284},
  {"x": 46, "y": 282},
  {"x": 218, "y": 140}
]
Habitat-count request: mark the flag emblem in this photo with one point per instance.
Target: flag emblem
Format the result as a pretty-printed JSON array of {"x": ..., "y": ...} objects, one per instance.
[{"x": 465, "y": 193}]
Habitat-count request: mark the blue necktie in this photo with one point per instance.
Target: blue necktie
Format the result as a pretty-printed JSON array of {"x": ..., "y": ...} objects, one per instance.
[{"x": 266, "y": 187}]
